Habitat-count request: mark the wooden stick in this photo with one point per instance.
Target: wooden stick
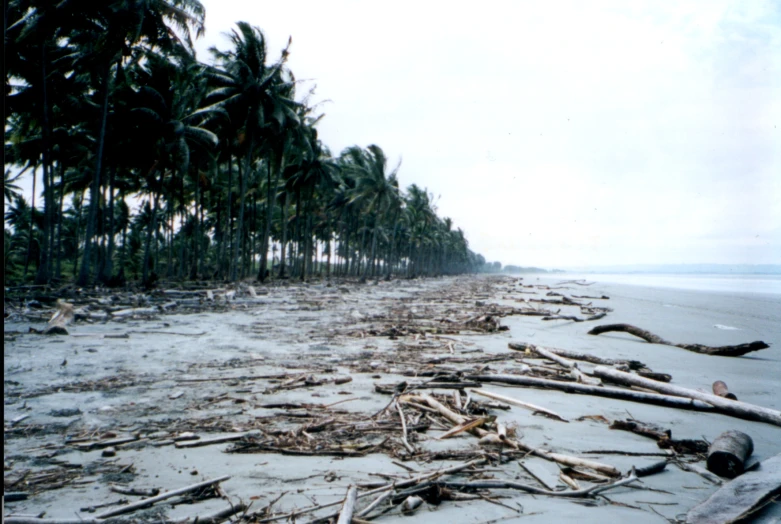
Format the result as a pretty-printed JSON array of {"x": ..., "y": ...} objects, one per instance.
[
  {"x": 550, "y": 355},
  {"x": 33, "y": 520},
  {"x": 215, "y": 440},
  {"x": 348, "y": 508},
  {"x": 525, "y": 405},
  {"x": 734, "y": 408},
  {"x": 506, "y": 484},
  {"x": 376, "y": 502},
  {"x": 543, "y": 353},
  {"x": 404, "y": 430},
  {"x": 148, "y": 502},
  {"x": 600, "y": 391},
  {"x": 216, "y": 517}
]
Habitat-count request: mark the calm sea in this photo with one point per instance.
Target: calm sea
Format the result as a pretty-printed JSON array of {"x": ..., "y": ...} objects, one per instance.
[{"x": 766, "y": 284}]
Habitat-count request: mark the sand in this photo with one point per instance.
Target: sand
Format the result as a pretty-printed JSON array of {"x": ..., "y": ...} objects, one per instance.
[{"x": 301, "y": 327}]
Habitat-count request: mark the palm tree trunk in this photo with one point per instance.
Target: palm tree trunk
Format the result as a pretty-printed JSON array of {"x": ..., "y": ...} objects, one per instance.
[
  {"x": 58, "y": 271},
  {"x": 283, "y": 244},
  {"x": 269, "y": 208},
  {"x": 84, "y": 273},
  {"x": 148, "y": 245},
  {"x": 108, "y": 268},
  {"x": 242, "y": 196},
  {"x": 229, "y": 220},
  {"x": 78, "y": 236},
  {"x": 30, "y": 231},
  {"x": 44, "y": 268}
]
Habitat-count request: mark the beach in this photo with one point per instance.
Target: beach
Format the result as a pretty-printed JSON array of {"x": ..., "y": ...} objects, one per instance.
[{"x": 287, "y": 356}]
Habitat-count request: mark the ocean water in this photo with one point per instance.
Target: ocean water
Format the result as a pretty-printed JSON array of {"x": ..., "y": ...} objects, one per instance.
[{"x": 755, "y": 284}]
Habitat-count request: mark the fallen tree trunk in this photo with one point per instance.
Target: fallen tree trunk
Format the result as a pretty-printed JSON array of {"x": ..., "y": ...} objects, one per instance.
[
  {"x": 734, "y": 408},
  {"x": 599, "y": 391},
  {"x": 722, "y": 351},
  {"x": 741, "y": 497}
]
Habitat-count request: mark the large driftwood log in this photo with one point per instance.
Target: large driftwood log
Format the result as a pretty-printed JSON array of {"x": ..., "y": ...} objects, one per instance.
[
  {"x": 599, "y": 391},
  {"x": 734, "y": 408},
  {"x": 741, "y": 497},
  {"x": 722, "y": 351}
]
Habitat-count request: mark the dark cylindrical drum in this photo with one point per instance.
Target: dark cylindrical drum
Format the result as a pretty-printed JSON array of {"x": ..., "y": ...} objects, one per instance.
[{"x": 728, "y": 453}]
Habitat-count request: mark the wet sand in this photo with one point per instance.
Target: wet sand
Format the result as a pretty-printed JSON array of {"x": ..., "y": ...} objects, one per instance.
[{"x": 158, "y": 374}]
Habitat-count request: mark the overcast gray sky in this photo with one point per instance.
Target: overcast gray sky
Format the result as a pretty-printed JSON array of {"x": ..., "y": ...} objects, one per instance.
[{"x": 556, "y": 133}]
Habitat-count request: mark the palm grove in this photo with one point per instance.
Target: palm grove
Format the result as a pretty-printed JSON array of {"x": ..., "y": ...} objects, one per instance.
[{"x": 150, "y": 164}]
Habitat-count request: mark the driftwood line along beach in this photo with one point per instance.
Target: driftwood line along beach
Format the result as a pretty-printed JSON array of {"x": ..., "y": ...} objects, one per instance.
[{"x": 459, "y": 399}]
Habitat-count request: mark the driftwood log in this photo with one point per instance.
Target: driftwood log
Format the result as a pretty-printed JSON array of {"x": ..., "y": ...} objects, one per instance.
[
  {"x": 722, "y": 351},
  {"x": 599, "y": 391},
  {"x": 741, "y": 497},
  {"x": 728, "y": 453},
  {"x": 734, "y": 408}
]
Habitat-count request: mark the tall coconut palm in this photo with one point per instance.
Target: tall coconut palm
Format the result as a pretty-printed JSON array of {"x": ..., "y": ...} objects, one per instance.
[
  {"x": 374, "y": 189},
  {"x": 253, "y": 93},
  {"x": 111, "y": 30},
  {"x": 167, "y": 119}
]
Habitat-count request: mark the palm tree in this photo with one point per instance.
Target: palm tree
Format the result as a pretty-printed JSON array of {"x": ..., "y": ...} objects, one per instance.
[
  {"x": 167, "y": 119},
  {"x": 111, "y": 29},
  {"x": 374, "y": 190},
  {"x": 253, "y": 93}
]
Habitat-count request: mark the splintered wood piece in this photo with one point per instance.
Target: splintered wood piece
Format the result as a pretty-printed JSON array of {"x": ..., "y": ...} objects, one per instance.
[
  {"x": 542, "y": 472},
  {"x": 463, "y": 427}
]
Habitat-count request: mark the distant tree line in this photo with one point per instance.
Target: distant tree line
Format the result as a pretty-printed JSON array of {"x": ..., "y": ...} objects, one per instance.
[{"x": 150, "y": 164}]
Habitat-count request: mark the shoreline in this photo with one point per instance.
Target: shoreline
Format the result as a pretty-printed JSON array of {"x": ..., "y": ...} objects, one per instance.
[{"x": 325, "y": 332}]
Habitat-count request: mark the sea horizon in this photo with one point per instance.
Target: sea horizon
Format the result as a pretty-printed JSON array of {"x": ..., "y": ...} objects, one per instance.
[{"x": 763, "y": 283}]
